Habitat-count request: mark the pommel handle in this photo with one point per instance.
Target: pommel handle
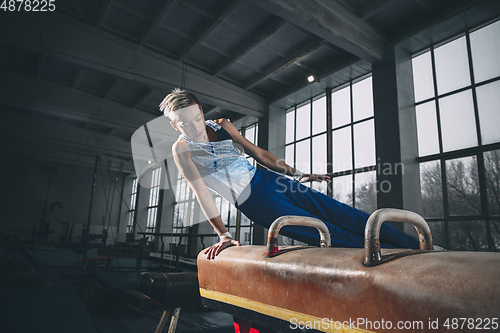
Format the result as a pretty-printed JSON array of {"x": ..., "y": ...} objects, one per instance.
[
  {"x": 373, "y": 255},
  {"x": 274, "y": 229}
]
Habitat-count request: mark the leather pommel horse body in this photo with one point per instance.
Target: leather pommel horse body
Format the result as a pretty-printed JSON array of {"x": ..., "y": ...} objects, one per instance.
[{"x": 353, "y": 290}]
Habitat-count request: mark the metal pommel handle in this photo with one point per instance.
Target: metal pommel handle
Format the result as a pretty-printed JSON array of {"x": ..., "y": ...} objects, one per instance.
[
  {"x": 280, "y": 222},
  {"x": 372, "y": 230}
]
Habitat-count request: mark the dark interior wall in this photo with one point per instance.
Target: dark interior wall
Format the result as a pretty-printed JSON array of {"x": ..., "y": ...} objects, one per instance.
[{"x": 26, "y": 190}]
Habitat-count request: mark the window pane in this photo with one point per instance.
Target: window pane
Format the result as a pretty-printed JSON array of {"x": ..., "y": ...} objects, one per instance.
[
  {"x": 303, "y": 156},
  {"x": 151, "y": 197},
  {"x": 452, "y": 66},
  {"x": 232, "y": 231},
  {"x": 155, "y": 179},
  {"x": 431, "y": 189},
  {"x": 362, "y": 99},
  {"x": 245, "y": 236},
  {"x": 492, "y": 169},
  {"x": 152, "y": 221},
  {"x": 304, "y": 121},
  {"x": 148, "y": 219},
  {"x": 185, "y": 213},
  {"x": 250, "y": 134},
  {"x": 232, "y": 215},
  {"x": 485, "y": 47},
  {"x": 187, "y": 190},
  {"x": 364, "y": 144},
  {"x": 488, "y": 104},
  {"x": 320, "y": 187},
  {"x": 463, "y": 186},
  {"x": 319, "y": 154},
  {"x": 182, "y": 191},
  {"x": 495, "y": 233},
  {"x": 179, "y": 212},
  {"x": 342, "y": 189},
  {"x": 256, "y": 135},
  {"x": 224, "y": 212},
  {"x": 290, "y": 126},
  {"x": 427, "y": 129},
  {"x": 342, "y": 151},
  {"x": 131, "y": 219},
  {"x": 289, "y": 155},
  {"x": 341, "y": 107},
  {"x": 191, "y": 214},
  {"x": 158, "y": 176},
  {"x": 178, "y": 187},
  {"x": 154, "y": 196},
  {"x": 422, "y": 77},
  {"x": 132, "y": 202},
  {"x": 467, "y": 236},
  {"x": 366, "y": 191},
  {"x": 319, "y": 115},
  {"x": 245, "y": 220},
  {"x": 176, "y": 215},
  {"x": 438, "y": 233},
  {"x": 458, "y": 124}
]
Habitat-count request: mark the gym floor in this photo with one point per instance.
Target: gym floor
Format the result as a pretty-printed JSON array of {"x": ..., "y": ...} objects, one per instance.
[{"x": 60, "y": 305}]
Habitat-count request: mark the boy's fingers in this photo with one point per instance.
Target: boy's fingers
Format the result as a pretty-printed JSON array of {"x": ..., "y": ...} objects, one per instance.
[{"x": 214, "y": 250}]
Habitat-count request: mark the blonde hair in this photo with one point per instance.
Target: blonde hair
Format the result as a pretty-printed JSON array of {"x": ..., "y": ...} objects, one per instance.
[{"x": 176, "y": 100}]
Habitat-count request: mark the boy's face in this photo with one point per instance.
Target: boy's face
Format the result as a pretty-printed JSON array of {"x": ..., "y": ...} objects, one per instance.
[{"x": 191, "y": 122}]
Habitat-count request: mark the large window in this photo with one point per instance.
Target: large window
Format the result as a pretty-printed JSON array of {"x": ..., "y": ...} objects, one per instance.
[
  {"x": 353, "y": 143},
  {"x": 457, "y": 103},
  {"x": 352, "y": 147}
]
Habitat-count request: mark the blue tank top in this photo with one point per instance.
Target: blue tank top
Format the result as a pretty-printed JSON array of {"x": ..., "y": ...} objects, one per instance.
[{"x": 221, "y": 165}]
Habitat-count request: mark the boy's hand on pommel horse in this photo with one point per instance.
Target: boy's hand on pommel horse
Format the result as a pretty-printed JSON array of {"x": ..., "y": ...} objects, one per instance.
[{"x": 215, "y": 249}]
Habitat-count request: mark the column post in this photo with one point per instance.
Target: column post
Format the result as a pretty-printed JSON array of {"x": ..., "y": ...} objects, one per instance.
[{"x": 398, "y": 175}]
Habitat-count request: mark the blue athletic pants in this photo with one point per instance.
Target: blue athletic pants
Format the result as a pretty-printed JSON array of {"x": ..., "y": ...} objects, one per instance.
[{"x": 273, "y": 195}]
